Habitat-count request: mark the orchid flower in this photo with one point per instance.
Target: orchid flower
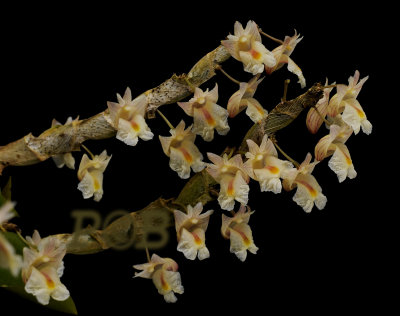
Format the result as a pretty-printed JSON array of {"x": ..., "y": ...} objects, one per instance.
[
  {"x": 233, "y": 179},
  {"x": 345, "y": 102},
  {"x": 309, "y": 192},
  {"x": 264, "y": 166},
  {"x": 127, "y": 117},
  {"x": 315, "y": 119},
  {"x": 334, "y": 144},
  {"x": 165, "y": 276},
  {"x": 90, "y": 175},
  {"x": 182, "y": 151},
  {"x": 282, "y": 53},
  {"x": 243, "y": 98},
  {"x": 43, "y": 268},
  {"x": 191, "y": 228},
  {"x": 246, "y": 46},
  {"x": 206, "y": 113},
  {"x": 237, "y": 229},
  {"x": 66, "y": 159}
]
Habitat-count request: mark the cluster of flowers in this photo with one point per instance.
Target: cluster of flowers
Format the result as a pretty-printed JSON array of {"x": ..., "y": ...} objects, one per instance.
[
  {"x": 127, "y": 116},
  {"x": 191, "y": 227},
  {"x": 344, "y": 116},
  {"x": 41, "y": 265}
]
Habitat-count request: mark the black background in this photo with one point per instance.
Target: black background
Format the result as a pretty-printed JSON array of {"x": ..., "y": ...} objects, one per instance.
[{"x": 67, "y": 61}]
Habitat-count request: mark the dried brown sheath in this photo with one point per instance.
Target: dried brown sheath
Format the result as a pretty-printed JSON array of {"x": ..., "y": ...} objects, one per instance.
[{"x": 285, "y": 112}]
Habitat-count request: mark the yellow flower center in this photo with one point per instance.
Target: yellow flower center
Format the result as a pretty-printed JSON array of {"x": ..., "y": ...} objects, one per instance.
[{"x": 259, "y": 157}]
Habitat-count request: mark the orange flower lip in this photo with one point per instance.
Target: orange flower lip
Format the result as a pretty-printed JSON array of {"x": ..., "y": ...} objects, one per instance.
[
  {"x": 208, "y": 117},
  {"x": 186, "y": 155},
  {"x": 197, "y": 239},
  {"x": 164, "y": 284},
  {"x": 50, "y": 283},
  {"x": 246, "y": 240},
  {"x": 231, "y": 190},
  {"x": 312, "y": 191}
]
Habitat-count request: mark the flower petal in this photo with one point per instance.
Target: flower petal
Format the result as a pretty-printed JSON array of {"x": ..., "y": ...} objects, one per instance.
[
  {"x": 292, "y": 67},
  {"x": 187, "y": 107},
  {"x": 165, "y": 144},
  {"x": 86, "y": 186},
  {"x": 341, "y": 163},
  {"x": 231, "y": 46},
  {"x": 234, "y": 106},
  {"x": 314, "y": 119},
  {"x": 187, "y": 245},
  {"x": 255, "y": 110},
  {"x": 252, "y": 30},
  {"x": 179, "y": 164},
  {"x": 308, "y": 191}
]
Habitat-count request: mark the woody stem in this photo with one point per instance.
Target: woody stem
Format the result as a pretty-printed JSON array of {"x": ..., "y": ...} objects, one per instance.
[
  {"x": 330, "y": 86},
  {"x": 285, "y": 88},
  {"x": 165, "y": 119},
  {"x": 22, "y": 238},
  {"x": 148, "y": 254},
  {"x": 270, "y": 37},
  {"x": 88, "y": 151},
  {"x": 227, "y": 75},
  {"x": 284, "y": 154}
]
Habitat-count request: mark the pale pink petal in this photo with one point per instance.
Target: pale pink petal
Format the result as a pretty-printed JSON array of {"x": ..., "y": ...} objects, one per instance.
[
  {"x": 187, "y": 107},
  {"x": 238, "y": 29},
  {"x": 234, "y": 101},
  {"x": 252, "y": 30},
  {"x": 232, "y": 47},
  {"x": 217, "y": 160},
  {"x": 165, "y": 143}
]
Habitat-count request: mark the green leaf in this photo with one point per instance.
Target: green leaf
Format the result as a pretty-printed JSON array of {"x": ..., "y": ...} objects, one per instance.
[
  {"x": 6, "y": 278},
  {"x": 5, "y": 195},
  {"x": 67, "y": 306},
  {"x": 6, "y": 191},
  {"x": 16, "y": 241}
]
